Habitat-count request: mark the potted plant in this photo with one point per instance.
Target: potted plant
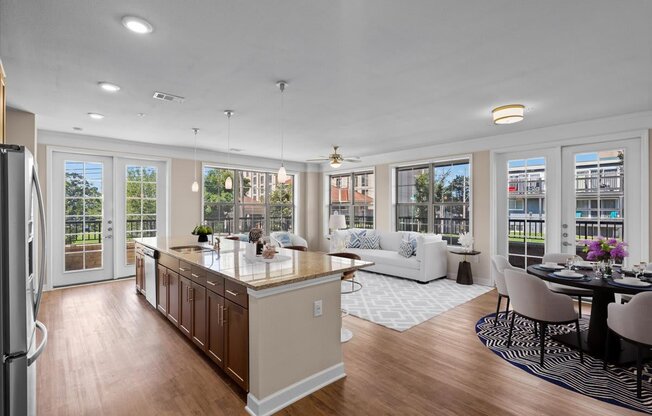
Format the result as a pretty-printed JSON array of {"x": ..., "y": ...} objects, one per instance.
[
  {"x": 202, "y": 231},
  {"x": 606, "y": 251}
]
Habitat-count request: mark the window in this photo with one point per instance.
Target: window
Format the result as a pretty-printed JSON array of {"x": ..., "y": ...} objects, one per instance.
[
  {"x": 255, "y": 200},
  {"x": 140, "y": 189},
  {"x": 353, "y": 196},
  {"x": 434, "y": 198}
]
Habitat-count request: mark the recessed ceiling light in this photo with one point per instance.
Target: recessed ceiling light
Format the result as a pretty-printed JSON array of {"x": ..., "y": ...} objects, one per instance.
[
  {"x": 141, "y": 114},
  {"x": 77, "y": 128},
  {"x": 96, "y": 116},
  {"x": 236, "y": 150},
  {"x": 107, "y": 86},
  {"x": 508, "y": 114},
  {"x": 137, "y": 25}
]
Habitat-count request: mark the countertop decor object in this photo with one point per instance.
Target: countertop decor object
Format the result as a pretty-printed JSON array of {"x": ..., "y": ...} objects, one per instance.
[
  {"x": 202, "y": 231},
  {"x": 606, "y": 251}
]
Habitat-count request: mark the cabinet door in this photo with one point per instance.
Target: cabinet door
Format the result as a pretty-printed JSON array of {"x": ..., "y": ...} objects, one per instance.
[
  {"x": 215, "y": 339},
  {"x": 236, "y": 354},
  {"x": 162, "y": 292},
  {"x": 198, "y": 300},
  {"x": 173, "y": 296},
  {"x": 139, "y": 273},
  {"x": 185, "y": 307}
]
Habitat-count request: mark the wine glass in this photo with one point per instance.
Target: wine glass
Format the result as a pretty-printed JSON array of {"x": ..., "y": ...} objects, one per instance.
[{"x": 636, "y": 269}]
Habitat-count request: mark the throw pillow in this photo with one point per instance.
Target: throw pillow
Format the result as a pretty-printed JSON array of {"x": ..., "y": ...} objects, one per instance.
[
  {"x": 405, "y": 249},
  {"x": 370, "y": 242},
  {"x": 412, "y": 239},
  {"x": 355, "y": 238},
  {"x": 284, "y": 239}
]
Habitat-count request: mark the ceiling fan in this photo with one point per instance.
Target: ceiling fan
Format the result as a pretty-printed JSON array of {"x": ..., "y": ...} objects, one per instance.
[{"x": 336, "y": 159}]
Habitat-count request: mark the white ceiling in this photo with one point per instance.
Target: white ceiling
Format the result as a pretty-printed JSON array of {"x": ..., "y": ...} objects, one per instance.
[{"x": 372, "y": 76}]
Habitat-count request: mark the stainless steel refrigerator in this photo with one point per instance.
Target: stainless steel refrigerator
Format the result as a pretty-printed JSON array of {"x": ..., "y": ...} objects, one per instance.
[{"x": 20, "y": 286}]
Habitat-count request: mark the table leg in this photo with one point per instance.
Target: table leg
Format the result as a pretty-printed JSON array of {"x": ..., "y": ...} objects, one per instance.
[
  {"x": 464, "y": 274},
  {"x": 598, "y": 325}
]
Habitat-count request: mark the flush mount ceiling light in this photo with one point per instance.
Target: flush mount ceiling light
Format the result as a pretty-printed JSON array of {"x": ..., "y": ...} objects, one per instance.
[
  {"x": 137, "y": 25},
  {"x": 282, "y": 175},
  {"x": 107, "y": 86},
  {"x": 508, "y": 114},
  {"x": 195, "y": 184},
  {"x": 96, "y": 116}
]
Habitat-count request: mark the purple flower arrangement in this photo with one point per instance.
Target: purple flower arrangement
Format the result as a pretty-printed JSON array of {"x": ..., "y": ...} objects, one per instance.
[{"x": 604, "y": 249}]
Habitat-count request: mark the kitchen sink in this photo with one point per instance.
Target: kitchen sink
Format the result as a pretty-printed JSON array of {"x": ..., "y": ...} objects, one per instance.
[{"x": 191, "y": 249}]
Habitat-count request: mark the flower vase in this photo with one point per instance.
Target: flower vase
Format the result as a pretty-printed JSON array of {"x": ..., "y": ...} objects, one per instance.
[
  {"x": 203, "y": 238},
  {"x": 607, "y": 268}
]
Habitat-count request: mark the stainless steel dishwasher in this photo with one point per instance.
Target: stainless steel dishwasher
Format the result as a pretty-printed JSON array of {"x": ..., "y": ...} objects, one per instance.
[{"x": 150, "y": 256}]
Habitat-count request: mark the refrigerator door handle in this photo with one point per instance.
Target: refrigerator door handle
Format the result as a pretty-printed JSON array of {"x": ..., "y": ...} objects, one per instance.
[
  {"x": 41, "y": 347},
  {"x": 43, "y": 241}
]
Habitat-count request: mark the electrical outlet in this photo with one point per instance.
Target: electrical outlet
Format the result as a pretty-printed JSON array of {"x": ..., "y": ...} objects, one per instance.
[{"x": 317, "y": 308}]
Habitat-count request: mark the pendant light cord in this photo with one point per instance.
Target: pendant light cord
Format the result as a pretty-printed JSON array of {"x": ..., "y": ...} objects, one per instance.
[
  {"x": 228, "y": 139},
  {"x": 195, "y": 153},
  {"x": 281, "y": 121}
]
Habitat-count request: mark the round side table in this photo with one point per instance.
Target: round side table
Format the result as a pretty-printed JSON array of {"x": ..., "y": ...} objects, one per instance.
[{"x": 464, "y": 274}]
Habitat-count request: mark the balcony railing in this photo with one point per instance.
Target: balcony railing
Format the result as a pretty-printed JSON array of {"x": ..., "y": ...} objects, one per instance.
[
  {"x": 91, "y": 231},
  {"x": 593, "y": 183},
  {"x": 226, "y": 225},
  {"x": 449, "y": 228}
]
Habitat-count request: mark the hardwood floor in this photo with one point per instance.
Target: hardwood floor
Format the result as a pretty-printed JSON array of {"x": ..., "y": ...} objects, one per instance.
[{"x": 110, "y": 353}]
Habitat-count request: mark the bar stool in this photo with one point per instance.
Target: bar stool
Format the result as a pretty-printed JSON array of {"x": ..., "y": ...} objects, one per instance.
[{"x": 345, "y": 333}]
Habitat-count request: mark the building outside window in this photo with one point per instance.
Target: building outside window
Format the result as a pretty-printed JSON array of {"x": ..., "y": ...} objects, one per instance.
[
  {"x": 353, "y": 195},
  {"x": 256, "y": 200},
  {"x": 434, "y": 198}
]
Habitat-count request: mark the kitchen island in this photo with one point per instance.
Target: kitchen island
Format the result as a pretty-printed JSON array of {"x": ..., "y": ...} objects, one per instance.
[{"x": 272, "y": 326}]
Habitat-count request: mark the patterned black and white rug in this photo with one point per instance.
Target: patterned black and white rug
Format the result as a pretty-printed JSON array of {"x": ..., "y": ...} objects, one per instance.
[
  {"x": 616, "y": 385},
  {"x": 400, "y": 304}
]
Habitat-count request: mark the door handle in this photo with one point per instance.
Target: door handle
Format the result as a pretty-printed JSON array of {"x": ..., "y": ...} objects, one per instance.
[
  {"x": 220, "y": 314},
  {"x": 566, "y": 244},
  {"x": 211, "y": 283},
  {"x": 191, "y": 291},
  {"x": 108, "y": 236},
  {"x": 231, "y": 293},
  {"x": 43, "y": 242},
  {"x": 41, "y": 347}
]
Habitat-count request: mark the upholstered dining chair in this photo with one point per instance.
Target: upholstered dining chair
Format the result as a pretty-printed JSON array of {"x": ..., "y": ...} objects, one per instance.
[
  {"x": 498, "y": 266},
  {"x": 577, "y": 292},
  {"x": 633, "y": 323},
  {"x": 531, "y": 299}
]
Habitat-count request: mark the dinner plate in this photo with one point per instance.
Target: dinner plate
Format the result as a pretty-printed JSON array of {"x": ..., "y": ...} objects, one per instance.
[
  {"x": 632, "y": 281},
  {"x": 545, "y": 267},
  {"x": 569, "y": 276}
]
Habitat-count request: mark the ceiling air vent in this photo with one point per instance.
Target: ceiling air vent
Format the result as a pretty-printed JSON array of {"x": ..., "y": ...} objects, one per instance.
[{"x": 164, "y": 96}]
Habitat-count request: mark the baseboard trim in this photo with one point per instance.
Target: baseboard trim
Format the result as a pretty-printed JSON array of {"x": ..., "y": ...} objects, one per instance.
[{"x": 285, "y": 397}]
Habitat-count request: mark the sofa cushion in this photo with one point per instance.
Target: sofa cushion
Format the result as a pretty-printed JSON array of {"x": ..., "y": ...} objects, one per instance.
[
  {"x": 406, "y": 249},
  {"x": 284, "y": 239},
  {"x": 355, "y": 238},
  {"x": 386, "y": 257},
  {"x": 371, "y": 241},
  {"x": 390, "y": 240}
]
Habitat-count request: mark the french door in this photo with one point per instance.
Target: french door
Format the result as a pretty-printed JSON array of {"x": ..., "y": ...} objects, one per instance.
[
  {"x": 100, "y": 204},
  {"x": 82, "y": 218},
  {"x": 552, "y": 200}
]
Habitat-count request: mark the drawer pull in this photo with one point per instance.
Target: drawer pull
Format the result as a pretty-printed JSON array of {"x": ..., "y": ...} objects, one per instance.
[
  {"x": 194, "y": 275},
  {"x": 231, "y": 293},
  {"x": 181, "y": 269},
  {"x": 211, "y": 283}
]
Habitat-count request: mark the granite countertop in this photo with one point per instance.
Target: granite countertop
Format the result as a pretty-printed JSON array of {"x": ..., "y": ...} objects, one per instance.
[{"x": 231, "y": 263}]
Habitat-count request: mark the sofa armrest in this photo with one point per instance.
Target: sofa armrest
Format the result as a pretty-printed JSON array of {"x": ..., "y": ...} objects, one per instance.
[
  {"x": 299, "y": 241},
  {"x": 433, "y": 256}
]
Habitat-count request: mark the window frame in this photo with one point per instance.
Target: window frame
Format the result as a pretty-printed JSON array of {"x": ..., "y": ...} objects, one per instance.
[
  {"x": 351, "y": 204},
  {"x": 432, "y": 203},
  {"x": 236, "y": 205}
]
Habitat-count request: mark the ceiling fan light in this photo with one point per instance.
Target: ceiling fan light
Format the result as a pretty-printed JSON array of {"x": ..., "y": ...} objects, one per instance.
[
  {"x": 508, "y": 114},
  {"x": 336, "y": 163},
  {"x": 282, "y": 175},
  {"x": 228, "y": 183}
]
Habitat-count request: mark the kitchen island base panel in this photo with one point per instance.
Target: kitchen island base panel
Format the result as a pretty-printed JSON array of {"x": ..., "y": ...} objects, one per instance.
[{"x": 291, "y": 351}]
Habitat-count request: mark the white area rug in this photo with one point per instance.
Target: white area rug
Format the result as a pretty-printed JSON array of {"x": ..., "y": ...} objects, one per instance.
[{"x": 400, "y": 304}]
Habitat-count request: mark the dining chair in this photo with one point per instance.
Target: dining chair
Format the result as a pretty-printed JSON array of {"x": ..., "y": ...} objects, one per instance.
[
  {"x": 498, "y": 266},
  {"x": 576, "y": 292},
  {"x": 531, "y": 299},
  {"x": 633, "y": 323}
]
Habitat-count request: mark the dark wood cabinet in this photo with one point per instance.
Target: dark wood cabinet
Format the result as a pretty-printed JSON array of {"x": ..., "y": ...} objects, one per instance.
[
  {"x": 172, "y": 283},
  {"x": 162, "y": 290},
  {"x": 198, "y": 325},
  {"x": 208, "y": 309},
  {"x": 236, "y": 346},
  {"x": 185, "y": 307},
  {"x": 215, "y": 325}
]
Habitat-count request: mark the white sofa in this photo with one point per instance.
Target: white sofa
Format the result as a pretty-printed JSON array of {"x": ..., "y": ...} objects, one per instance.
[
  {"x": 430, "y": 262},
  {"x": 295, "y": 239}
]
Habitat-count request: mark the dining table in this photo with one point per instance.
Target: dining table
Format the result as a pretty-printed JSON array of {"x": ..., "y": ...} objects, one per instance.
[{"x": 604, "y": 290}]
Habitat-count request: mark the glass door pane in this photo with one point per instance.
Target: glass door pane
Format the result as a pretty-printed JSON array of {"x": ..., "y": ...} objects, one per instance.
[
  {"x": 526, "y": 202},
  {"x": 140, "y": 199},
  {"x": 599, "y": 196}
]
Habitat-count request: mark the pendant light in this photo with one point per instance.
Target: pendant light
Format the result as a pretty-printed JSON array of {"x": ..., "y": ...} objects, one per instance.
[
  {"x": 228, "y": 183},
  {"x": 195, "y": 184},
  {"x": 282, "y": 175}
]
